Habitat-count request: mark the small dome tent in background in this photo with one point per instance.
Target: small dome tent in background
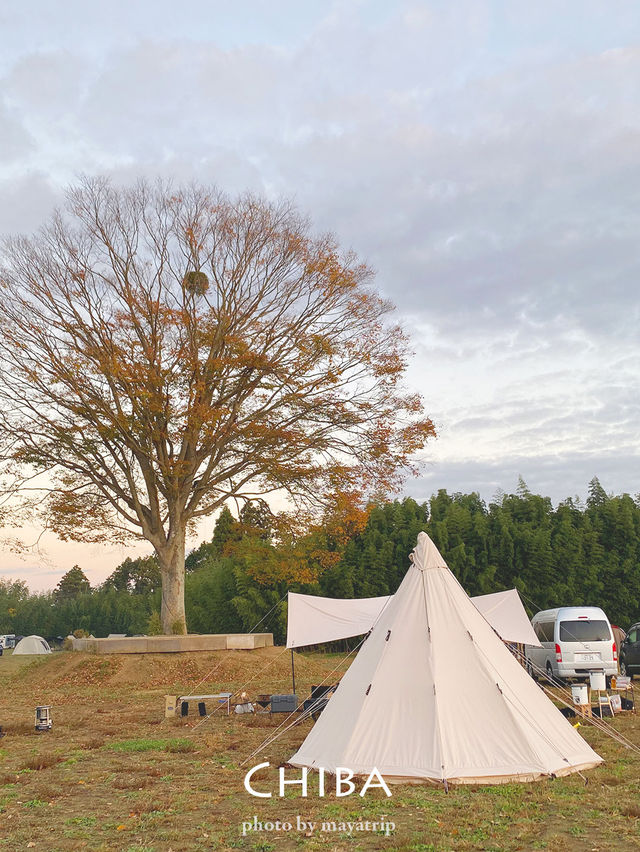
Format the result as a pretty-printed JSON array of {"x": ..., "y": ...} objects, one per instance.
[{"x": 32, "y": 645}]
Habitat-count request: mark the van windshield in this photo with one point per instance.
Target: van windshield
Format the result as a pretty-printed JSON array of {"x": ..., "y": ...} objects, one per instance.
[{"x": 584, "y": 631}]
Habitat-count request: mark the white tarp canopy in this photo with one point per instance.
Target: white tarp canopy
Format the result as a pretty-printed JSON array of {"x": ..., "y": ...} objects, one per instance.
[
  {"x": 32, "y": 645},
  {"x": 507, "y": 616},
  {"x": 312, "y": 620},
  {"x": 435, "y": 695}
]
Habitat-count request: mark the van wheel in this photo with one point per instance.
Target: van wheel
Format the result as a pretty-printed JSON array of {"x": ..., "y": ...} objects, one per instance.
[{"x": 550, "y": 671}]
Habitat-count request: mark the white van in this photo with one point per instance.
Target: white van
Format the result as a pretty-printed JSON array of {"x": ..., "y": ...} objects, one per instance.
[
  {"x": 7, "y": 640},
  {"x": 574, "y": 640}
]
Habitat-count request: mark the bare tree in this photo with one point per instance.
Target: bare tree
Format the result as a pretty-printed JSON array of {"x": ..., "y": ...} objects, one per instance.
[{"x": 163, "y": 350}]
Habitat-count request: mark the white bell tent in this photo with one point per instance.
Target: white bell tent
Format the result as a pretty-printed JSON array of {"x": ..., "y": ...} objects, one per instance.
[
  {"x": 434, "y": 695},
  {"x": 32, "y": 645}
]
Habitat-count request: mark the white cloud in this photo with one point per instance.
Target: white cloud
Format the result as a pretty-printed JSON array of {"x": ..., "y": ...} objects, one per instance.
[
  {"x": 15, "y": 141},
  {"x": 24, "y": 201}
]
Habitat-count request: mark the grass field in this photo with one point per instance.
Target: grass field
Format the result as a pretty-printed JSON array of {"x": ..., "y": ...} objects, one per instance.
[{"x": 114, "y": 774}]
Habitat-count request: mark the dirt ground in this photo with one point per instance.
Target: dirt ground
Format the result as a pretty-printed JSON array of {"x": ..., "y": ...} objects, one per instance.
[{"x": 114, "y": 774}]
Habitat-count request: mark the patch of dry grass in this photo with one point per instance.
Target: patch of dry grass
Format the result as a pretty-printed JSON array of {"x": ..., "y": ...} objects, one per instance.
[
  {"x": 181, "y": 747},
  {"x": 91, "y": 744},
  {"x": 22, "y": 729},
  {"x": 131, "y": 782},
  {"x": 259, "y": 720},
  {"x": 46, "y": 792},
  {"x": 43, "y": 760}
]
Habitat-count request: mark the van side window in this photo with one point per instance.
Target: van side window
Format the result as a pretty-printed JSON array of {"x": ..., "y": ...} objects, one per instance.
[
  {"x": 544, "y": 630},
  {"x": 633, "y": 635}
]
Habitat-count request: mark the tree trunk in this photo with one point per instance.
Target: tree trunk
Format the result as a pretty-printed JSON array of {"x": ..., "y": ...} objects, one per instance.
[{"x": 171, "y": 560}]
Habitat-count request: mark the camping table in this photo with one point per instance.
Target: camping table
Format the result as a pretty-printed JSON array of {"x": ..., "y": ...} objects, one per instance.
[{"x": 627, "y": 688}]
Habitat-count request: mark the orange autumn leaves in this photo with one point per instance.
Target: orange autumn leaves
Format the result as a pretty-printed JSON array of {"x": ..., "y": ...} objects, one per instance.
[{"x": 299, "y": 550}]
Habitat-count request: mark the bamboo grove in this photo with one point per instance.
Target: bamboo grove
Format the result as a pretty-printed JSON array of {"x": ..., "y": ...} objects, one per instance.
[{"x": 572, "y": 554}]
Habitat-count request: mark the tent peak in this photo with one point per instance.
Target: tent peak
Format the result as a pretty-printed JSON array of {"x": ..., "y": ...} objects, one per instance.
[{"x": 426, "y": 555}]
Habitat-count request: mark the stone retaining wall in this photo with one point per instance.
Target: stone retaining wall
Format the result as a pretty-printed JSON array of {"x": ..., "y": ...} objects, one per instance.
[{"x": 175, "y": 644}]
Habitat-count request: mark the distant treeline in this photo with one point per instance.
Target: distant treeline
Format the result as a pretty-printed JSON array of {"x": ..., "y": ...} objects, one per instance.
[{"x": 573, "y": 555}]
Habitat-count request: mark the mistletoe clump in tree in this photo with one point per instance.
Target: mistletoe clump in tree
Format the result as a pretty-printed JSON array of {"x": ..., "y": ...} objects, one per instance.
[{"x": 164, "y": 351}]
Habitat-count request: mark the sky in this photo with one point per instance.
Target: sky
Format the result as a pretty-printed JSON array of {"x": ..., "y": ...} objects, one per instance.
[{"x": 482, "y": 155}]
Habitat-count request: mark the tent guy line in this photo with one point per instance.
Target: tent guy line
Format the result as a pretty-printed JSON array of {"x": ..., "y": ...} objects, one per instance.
[
  {"x": 565, "y": 698},
  {"x": 253, "y": 630},
  {"x": 305, "y": 715},
  {"x": 299, "y": 717},
  {"x": 240, "y": 689}
]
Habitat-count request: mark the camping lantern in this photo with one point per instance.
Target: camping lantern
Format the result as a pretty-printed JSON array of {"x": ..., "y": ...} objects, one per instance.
[{"x": 43, "y": 718}]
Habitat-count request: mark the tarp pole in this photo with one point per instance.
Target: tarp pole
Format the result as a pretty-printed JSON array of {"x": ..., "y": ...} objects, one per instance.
[{"x": 293, "y": 673}]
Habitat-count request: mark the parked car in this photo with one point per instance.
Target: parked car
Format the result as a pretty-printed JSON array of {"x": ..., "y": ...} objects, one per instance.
[
  {"x": 630, "y": 652},
  {"x": 7, "y": 640},
  {"x": 574, "y": 641}
]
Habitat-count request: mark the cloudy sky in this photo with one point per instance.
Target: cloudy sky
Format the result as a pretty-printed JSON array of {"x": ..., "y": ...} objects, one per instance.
[{"x": 482, "y": 155}]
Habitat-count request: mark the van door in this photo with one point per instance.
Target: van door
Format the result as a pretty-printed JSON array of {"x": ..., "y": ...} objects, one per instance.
[{"x": 586, "y": 643}]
